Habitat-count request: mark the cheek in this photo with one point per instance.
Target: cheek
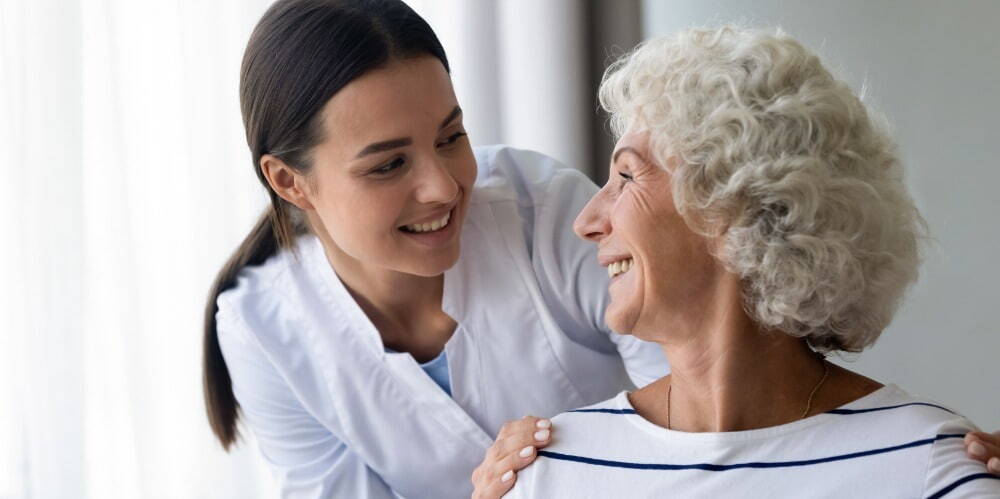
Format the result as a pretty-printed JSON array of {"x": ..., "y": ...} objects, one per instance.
[
  {"x": 643, "y": 224},
  {"x": 359, "y": 219},
  {"x": 466, "y": 169}
]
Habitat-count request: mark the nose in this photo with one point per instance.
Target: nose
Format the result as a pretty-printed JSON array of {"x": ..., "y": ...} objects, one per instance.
[
  {"x": 437, "y": 184},
  {"x": 592, "y": 223}
]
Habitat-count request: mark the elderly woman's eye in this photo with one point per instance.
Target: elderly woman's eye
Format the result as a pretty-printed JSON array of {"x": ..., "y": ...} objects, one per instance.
[{"x": 625, "y": 177}]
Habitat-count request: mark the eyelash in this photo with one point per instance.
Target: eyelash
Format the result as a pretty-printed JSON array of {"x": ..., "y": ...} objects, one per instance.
[
  {"x": 625, "y": 177},
  {"x": 397, "y": 163},
  {"x": 388, "y": 167},
  {"x": 454, "y": 138}
]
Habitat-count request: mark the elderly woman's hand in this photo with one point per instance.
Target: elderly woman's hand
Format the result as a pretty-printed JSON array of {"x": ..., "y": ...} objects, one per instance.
[
  {"x": 984, "y": 447},
  {"x": 513, "y": 449}
]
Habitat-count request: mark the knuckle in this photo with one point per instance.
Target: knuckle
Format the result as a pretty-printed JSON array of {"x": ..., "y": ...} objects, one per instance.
[{"x": 494, "y": 452}]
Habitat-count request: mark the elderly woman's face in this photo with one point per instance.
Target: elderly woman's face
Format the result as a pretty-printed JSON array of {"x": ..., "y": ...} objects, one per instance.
[{"x": 659, "y": 268}]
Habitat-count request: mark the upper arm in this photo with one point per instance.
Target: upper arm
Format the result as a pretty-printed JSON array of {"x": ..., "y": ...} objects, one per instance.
[
  {"x": 305, "y": 457},
  {"x": 953, "y": 474}
]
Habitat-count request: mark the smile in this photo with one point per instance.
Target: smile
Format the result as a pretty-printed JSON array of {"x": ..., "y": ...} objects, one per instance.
[
  {"x": 431, "y": 226},
  {"x": 620, "y": 267}
]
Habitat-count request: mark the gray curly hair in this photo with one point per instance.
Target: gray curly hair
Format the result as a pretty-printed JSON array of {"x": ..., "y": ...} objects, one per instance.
[{"x": 786, "y": 164}]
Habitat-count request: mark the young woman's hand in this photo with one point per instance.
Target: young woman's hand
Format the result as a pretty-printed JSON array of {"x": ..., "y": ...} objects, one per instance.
[
  {"x": 983, "y": 447},
  {"x": 514, "y": 448}
]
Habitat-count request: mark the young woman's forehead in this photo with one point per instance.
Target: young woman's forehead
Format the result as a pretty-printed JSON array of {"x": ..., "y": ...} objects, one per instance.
[{"x": 393, "y": 99}]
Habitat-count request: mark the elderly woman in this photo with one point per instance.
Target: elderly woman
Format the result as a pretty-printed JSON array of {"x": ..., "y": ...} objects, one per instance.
[{"x": 755, "y": 220}]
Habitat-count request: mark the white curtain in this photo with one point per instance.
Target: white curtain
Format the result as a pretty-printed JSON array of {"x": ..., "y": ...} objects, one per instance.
[
  {"x": 126, "y": 184},
  {"x": 521, "y": 72}
]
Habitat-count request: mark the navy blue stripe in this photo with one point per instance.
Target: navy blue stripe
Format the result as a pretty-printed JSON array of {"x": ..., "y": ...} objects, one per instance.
[
  {"x": 875, "y": 409},
  {"x": 956, "y": 483},
  {"x": 607, "y": 411},
  {"x": 726, "y": 467},
  {"x": 834, "y": 411}
]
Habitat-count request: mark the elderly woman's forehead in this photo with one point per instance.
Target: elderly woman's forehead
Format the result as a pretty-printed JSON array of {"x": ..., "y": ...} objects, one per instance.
[{"x": 638, "y": 141}]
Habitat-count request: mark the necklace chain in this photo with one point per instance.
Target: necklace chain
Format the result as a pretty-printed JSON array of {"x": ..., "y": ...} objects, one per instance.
[
  {"x": 809, "y": 403},
  {"x": 826, "y": 374}
]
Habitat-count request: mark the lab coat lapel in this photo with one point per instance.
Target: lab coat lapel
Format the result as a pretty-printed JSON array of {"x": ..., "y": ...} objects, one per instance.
[{"x": 411, "y": 381}]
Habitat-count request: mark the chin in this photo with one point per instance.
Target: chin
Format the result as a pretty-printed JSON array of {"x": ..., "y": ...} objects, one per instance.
[
  {"x": 435, "y": 266},
  {"x": 618, "y": 320}
]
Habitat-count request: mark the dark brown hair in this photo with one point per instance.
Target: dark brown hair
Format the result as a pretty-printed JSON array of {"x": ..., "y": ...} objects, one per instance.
[{"x": 301, "y": 53}]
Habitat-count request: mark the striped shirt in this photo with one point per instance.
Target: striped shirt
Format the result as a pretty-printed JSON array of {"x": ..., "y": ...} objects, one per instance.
[{"x": 886, "y": 444}]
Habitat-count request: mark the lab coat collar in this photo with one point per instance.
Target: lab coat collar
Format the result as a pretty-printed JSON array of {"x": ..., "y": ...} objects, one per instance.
[{"x": 452, "y": 300}]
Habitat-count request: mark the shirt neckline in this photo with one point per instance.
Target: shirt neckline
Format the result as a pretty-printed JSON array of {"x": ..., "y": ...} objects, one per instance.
[{"x": 870, "y": 400}]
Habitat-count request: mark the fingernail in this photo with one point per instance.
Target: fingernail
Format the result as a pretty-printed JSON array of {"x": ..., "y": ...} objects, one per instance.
[
  {"x": 507, "y": 476},
  {"x": 542, "y": 435},
  {"x": 994, "y": 464},
  {"x": 525, "y": 452},
  {"x": 543, "y": 423},
  {"x": 977, "y": 449}
]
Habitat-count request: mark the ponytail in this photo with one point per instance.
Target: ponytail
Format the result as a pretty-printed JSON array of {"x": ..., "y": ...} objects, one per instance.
[{"x": 220, "y": 402}]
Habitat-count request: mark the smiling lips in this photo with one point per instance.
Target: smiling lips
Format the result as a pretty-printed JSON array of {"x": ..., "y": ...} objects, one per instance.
[
  {"x": 430, "y": 226},
  {"x": 620, "y": 267}
]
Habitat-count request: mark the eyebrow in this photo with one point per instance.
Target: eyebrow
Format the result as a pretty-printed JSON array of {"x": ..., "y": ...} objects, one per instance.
[
  {"x": 624, "y": 149},
  {"x": 387, "y": 145},
  {"x": 455, "y": 113}
]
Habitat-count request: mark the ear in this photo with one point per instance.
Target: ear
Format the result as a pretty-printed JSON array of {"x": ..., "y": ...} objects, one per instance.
[{"x": 287, "y": 182}]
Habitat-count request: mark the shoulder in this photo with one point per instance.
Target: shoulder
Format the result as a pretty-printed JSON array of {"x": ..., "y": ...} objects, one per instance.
[
  {"x": 926, "y": 424},
  {"x": 576, "y": 428},
  {"x": 910, "y": 414},
  {"x": 508, "y": 173},
  {"x": 261, "y": 295},
  {"x": 594, "y": 430}
]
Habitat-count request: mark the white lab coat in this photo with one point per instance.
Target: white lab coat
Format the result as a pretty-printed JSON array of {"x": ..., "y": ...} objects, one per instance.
[{"x": 335, "y": 415}]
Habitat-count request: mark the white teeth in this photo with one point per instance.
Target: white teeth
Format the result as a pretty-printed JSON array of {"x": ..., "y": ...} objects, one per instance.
[
  {"x": 432, "y": 226},
  {"x": 620, "y": 267}
]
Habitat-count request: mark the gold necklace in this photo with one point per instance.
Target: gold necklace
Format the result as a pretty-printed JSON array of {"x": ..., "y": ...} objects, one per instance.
[{"x": 809, "y": 402}]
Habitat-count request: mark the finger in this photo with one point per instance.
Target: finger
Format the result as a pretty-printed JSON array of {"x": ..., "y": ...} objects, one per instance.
[
  {"x": 994, "y": 465},
  {"x": 522, "y": 425},
  {"x": 508, "y": 467},
  {"x": 493, "y": 485},
  {"x": 504, "y": 472},
  {"x": 537, "y": 434},
  {"x": 982, "y": 435},
  {"x": 518, "y": 460},
  {"x": 980, "y": 448}
]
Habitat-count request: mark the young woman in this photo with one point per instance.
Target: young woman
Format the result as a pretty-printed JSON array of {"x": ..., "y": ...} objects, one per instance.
[
  {"x": 366, "y": 353},
  {"x": 370, "y": 356}
]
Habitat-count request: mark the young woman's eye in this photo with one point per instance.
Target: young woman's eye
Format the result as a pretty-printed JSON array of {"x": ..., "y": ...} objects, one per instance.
[
  {"x": 452, "y": 139},
  {"x": 388, "y": 167}
]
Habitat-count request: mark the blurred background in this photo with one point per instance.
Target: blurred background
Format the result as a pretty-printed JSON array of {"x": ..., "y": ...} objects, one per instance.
[{"x": 127, "y": 182}]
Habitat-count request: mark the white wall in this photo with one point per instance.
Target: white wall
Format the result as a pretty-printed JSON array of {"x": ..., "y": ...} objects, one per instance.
[{"x": 934, "y": 69}]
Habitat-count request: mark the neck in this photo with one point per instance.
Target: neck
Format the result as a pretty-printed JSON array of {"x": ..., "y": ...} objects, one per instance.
[
  {"x": 725, "y": 389},
  {"x": 404, "y": 308},
  {"x": 729, "y": 375}
]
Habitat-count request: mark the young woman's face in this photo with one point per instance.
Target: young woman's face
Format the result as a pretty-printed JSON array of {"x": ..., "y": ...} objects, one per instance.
[{"x": 390, "y": 183}]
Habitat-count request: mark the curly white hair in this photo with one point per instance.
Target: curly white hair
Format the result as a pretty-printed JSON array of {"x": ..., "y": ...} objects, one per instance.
[{"x": 786, "y": 164}]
